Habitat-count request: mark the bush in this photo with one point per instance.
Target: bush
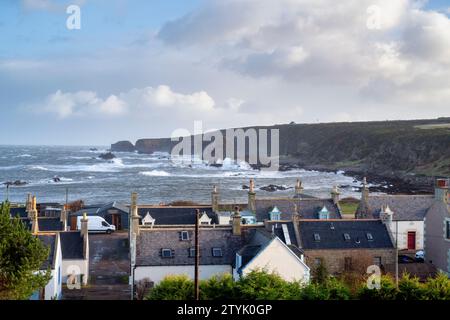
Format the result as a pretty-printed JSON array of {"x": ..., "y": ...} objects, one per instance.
[
  {"x": 409, "y": 288},
  {"x": 218, "y": 287},
  {"x": 259, "y": 285},
  {"x": 387, "y": 290},
  {"x": 437, "y": 288},
  {"x": 176, "y": 287}
]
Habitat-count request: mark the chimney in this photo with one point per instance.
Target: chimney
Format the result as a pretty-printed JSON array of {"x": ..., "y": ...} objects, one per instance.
[
  {"x": 252, "y": 197},
  {"x": 215, "y": 199},
  {"x": 34, "y": 217},
  {"x": 298, "y": 188},
  {"x": 335, "y": 193},
  {"x": 63, "y": 217},
  {"x": 365, "y": 190},
  {"x": 363, "y": 211},
  {"x": 28, "y": 206},
  {"x": 84, "y": 232},
  {"x": 134, "y": 217},
  {"x": 236, "y": 222},
  {"x": 386, "y": 215},
  {"x": 441, "y": 190}
]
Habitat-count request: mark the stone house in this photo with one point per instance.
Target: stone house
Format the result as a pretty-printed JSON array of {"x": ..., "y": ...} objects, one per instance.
[
  {"x": 406, "y": 214},
  {"x": 266, "y": 251},
  {"x": 346, "y": 245}
]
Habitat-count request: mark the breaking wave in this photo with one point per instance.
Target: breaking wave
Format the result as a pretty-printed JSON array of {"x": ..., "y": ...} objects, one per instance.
[{"x": 155, "y": 173}]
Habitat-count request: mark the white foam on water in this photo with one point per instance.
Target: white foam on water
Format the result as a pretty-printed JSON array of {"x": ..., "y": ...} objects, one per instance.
[{"x": 155, "y": 173}]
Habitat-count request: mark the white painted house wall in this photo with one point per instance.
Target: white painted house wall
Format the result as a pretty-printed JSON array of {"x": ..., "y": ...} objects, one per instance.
[
  {"x": 407, "y": 226},
  {"x": 158, "y": 273},
  {"x": 278, "y": 258},
  {"x": 81, "y": 266},
  {"x": 53, "y": 287}
]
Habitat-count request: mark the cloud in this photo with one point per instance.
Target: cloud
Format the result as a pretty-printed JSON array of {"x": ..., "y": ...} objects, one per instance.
[
  {"x": 88, "y": 103},
  {"x": 357, "y": 43},
  {"x": 49, "y": 5}
]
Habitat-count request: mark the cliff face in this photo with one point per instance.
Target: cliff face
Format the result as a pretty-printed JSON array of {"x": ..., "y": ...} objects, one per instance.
[
  {"x": 123, "y": 146},
  {"x": 389, "y": 148}
]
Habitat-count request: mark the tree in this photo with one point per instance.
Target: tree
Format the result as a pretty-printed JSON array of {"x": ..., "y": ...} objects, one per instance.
[
  {"x": 21, "y": 257},
  {"x": 320, "y": 274}
]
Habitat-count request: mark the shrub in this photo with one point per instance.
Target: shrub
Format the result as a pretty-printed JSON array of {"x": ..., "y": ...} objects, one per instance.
[
  {"x": 409, "y": 288},
  {"x": 437, "y": 288},
  {"x": 218, "y": 287},
  {"x": 176, "y": 287},
  {"x": 387, "y": 290}
]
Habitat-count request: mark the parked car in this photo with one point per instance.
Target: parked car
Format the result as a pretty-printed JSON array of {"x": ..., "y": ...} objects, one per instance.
[
  {"x": 97, "y": 224},
  {"x": 420, "y": 256},
  {"x": 405, "y": 259}
]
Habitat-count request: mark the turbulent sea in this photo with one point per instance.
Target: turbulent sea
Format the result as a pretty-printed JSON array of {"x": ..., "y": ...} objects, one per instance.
[{"x": 155, "y": 177}]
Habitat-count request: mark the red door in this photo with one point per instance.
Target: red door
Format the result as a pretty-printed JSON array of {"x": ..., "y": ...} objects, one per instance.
[{"x": 411, "y": 240}]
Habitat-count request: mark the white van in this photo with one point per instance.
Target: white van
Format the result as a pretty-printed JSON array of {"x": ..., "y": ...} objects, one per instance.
[{"x": 96, "y": 224}]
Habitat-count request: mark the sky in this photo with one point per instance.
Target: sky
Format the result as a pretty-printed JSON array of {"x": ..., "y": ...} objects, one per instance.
[{"x": 144, "y": 68}]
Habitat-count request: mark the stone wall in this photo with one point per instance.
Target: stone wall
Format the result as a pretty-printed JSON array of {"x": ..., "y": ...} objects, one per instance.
[{"x": 334, "y": 260}]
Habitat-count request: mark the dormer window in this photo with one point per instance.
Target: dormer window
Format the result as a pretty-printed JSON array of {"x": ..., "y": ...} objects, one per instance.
[
  {"x": 346, "y": 237},
  {"x": 204, "y": 219},
  {"x": 369, "y": 236},
  {"x": 316, "y": 237},
  {"x": 324, "y": 214},
  {"x": 167, "y": 253},
  {"x": 275, "y": 214},
  {"x": 148, "y": 220},
  {"x": 217, "y": 252},
  {"x": 184, "y": 235}
]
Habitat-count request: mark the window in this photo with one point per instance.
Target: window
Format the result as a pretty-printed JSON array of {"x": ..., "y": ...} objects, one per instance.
[
  {"x": 184, "y": 235},
  {"x": 105, "y": 224},
  {"x": 217, "y": 252},
  {"x": 192, "y": 252},
  {"x": 316, "y": 237},
  {"x": 377, "y": 261},
  {"x": 167, "y": 253},
  {"x": 346, "y": 237},
  {"x": 347, "y": 263},
  {"x": 447, "y": 229},
  {"x": 369, "y": 236}
]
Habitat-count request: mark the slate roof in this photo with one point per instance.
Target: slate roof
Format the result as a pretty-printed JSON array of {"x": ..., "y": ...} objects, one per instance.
[
  {"x": 332, "y": 234},
  {"x": 150, "y": 243},
  {"x": 45, "y": 224},
  {"x": 19, "y": 211},
  {"x": 405, "y": 207},
  {"x": 278, "y": 231},
  {"x": 308, "y": 208},
  {"x": 101, "y": 209},
  {"x": 71, "y": 245},
  {"x": 49, "y": 240},
  {"x": 248, "y": 252},
  {"x": 176, "y": 215}
]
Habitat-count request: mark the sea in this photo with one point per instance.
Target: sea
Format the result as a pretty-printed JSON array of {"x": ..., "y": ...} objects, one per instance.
[{"x": 52, "y": 171}]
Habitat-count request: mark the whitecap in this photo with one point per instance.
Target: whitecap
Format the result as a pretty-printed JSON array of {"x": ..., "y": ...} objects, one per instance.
[{"x": 155, "y": 173}]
